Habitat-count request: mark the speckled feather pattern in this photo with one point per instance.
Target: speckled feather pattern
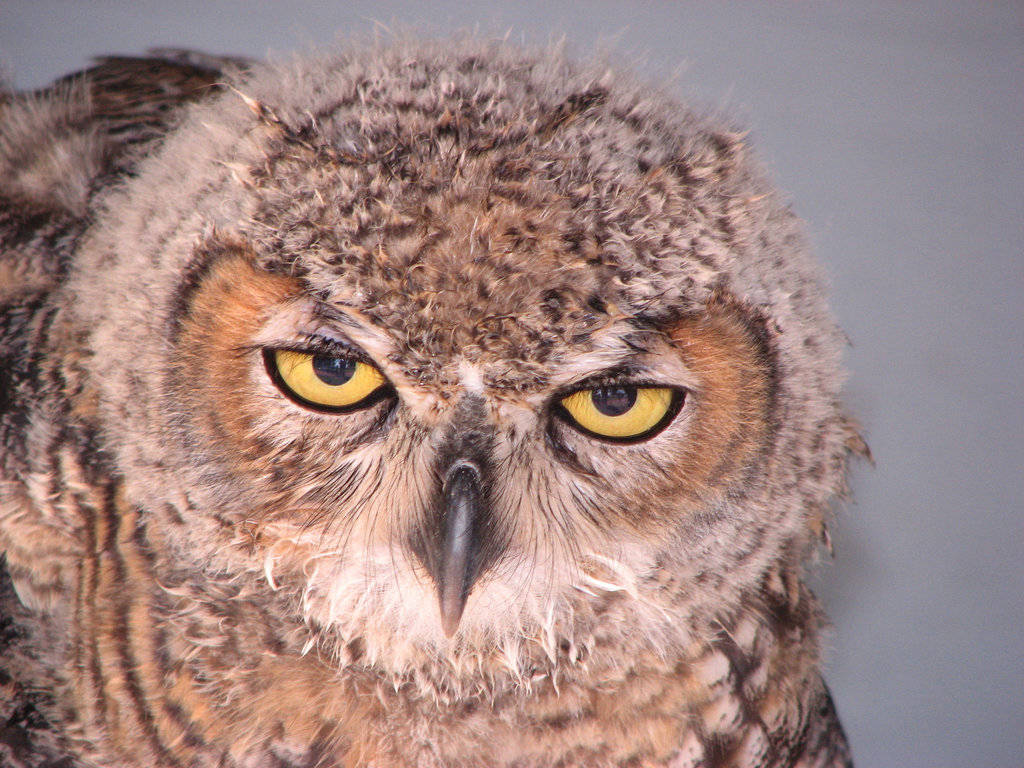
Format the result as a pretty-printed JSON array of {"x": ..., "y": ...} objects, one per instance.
[{"x": 210, "y": 574}]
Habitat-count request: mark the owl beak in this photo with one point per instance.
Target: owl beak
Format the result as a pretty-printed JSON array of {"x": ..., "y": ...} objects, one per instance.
[{"x": 455, "y": 565}]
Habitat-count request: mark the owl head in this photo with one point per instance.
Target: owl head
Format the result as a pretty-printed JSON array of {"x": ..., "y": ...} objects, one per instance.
[{"x": 464, "y": 352}]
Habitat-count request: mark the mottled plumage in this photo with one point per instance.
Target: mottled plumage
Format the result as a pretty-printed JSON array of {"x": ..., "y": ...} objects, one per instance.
[{"x": 441, "y": 404}]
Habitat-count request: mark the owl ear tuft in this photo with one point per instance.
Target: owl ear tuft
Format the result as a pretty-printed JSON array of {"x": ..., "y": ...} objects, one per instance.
[
  {"x": 300, "y": 135},
  {"x": 261, "y": 110}
]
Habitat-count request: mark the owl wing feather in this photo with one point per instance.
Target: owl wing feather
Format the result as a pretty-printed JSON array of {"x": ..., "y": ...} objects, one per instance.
[
  {"x": 135, "y": 98},
  {"x": 62, "y": 144},
  {"x": 823, "y": 742},
  {"x": 59, "y": 147},
  {"x": 27, "y": 739}
]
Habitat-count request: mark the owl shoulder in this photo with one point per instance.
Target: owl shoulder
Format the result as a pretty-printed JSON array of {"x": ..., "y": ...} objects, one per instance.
[{"x": 61, "y": 145}]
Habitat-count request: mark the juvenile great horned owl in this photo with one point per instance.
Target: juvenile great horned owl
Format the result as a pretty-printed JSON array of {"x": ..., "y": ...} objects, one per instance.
[{"x": 441, "y": 405}]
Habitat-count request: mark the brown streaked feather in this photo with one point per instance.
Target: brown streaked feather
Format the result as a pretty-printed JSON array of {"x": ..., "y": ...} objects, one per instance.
[
  {"x": 126, "y": 103},
  {"x": 61, "y": 144},
  {"x": 135, "y": 98}
]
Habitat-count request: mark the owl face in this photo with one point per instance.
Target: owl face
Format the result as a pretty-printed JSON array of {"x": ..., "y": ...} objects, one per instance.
[
  {"x": 461, "y": 385},
  {"x": 462, "y": 498}
]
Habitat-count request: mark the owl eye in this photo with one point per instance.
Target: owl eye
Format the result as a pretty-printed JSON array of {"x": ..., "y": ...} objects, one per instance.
[
  {"x": 325, "y": 382},
  {"x": 622, "y": 413}
]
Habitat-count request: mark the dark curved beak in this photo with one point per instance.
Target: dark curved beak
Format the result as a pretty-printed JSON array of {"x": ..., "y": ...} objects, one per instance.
[
  {"x": 455, "y": 569},
  {"x": 459, "y": 536}
]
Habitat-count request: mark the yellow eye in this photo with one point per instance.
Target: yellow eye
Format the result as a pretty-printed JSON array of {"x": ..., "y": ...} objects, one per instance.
[
  {"x": 325, "y": 382},
  {"x": 622, "y": 413}
]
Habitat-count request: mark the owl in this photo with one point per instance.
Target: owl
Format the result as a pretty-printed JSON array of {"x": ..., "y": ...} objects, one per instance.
[{"x": 420, "y": 404}]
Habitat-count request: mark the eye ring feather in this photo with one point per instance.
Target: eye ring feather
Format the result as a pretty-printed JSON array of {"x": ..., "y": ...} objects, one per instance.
[
  {"x": 325, "y": 382},
  {"x": 621, "y": 413}
]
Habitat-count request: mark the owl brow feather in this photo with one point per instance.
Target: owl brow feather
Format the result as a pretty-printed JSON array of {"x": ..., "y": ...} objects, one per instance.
[
  {"x": 244, "y": 350},
  {"x": 309, "y": 343},
  {"x": 333, "y": 314}
]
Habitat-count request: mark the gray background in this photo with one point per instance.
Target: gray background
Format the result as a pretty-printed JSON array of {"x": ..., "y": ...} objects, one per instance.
[{"x": 897, "y": 129}]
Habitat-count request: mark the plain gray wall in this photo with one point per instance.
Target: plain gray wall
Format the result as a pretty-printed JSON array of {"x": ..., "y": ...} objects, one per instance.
[{"x": 897, "y": 129}]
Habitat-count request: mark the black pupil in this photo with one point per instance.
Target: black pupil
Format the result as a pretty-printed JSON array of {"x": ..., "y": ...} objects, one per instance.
[
  {"x": 613, "y": 401},
  {"x": 333, "y": 371}
]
